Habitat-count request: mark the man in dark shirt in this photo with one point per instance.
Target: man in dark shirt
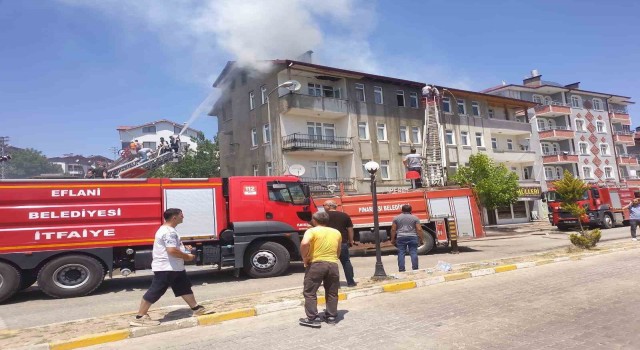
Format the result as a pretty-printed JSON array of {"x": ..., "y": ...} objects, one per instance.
[
  {"x": 342, "y": 222},
  {"x": 101, "y": 171}
]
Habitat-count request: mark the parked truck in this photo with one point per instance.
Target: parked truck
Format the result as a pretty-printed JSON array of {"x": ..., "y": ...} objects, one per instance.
[
  {"x": 603, "y": 208},
  {"x": 68, "y": 234}
]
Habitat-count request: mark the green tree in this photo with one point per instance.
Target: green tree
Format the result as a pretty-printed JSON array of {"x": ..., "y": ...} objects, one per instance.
[
  {"x": 571, "y": 190},
  {"x": 202, "y": 162},
  {"x": 27, "y": 163},
  {"x": 493, "y": 184}
]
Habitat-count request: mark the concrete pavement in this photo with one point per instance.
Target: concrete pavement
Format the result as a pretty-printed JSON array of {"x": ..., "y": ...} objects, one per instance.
[{"x": 587, "y": 304}]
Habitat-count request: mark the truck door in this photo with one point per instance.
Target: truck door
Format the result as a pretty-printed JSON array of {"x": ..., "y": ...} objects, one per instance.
[
  {"x": 286, "y": 203},
  {"x": 198, "y": 207},
  {"x": 462, "y": 210}
]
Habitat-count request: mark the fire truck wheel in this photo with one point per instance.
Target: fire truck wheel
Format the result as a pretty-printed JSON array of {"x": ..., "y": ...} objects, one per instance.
[
  {"x": 9, "y": 281},
  {"x": 607, "y": 221},
  {"x": 266, "y": 259},
  {"x": 70, "y": 276},
  {"x": 428, "y": 245}
]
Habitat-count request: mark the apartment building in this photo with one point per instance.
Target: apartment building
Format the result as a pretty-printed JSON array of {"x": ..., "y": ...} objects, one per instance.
[
  {"x": 584, "y": 132},
  {"x": 336, "y": 121},
  {"x": 498, "y": 126},
  {"x": 149, "y": 134}
]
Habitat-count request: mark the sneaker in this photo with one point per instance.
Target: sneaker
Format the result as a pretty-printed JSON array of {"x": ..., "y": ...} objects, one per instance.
[
  {"x": 201, "y": 310},
  {"x": 310, "y": 322},
  {"x": 144, "y": 321},
  {"x": 634, "y": 239},
  {"x": 330, "y": 320},
  {"x": 352, "y": 284}
]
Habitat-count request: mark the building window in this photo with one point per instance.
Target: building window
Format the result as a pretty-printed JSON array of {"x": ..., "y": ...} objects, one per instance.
[
  {"x": 600, "y": 126},
  {"x": 150, "y": 145},
  {"x": 177, "y": 130},
  {"x": 580, "y": 125},
  {"x": 363, "y": 131},
  {"x": 446, "y": 105},
  {"x": 510, "y": 144},
  {"x": 494, "y": 143},
  {"x": 360, "y": 92},
  {"x": 314, "y": 89},
  {"x": 548, "y": 173},
  {"x": 377, "y": 95},
  {"x": 608, "y": 172},
  {"x": 254, "y": 137},
  {"x": 583, "y": 148},
  {"x": 400, "y": 98},
  {"x": 576, "y": 102},
  {"x": 381, "y": 131},
  {"x": 448, "y": 136},
  {"x": 542, "y": 125},
  {"x": 461, "y": 108},
  {"x": 537, "y": 99},
  {"x": 324, "y": 170},
  {"x": 149, "y": 129},
  {"x": 365, "y": 173},
  {"x": 604, "y": 149},
  {"x": 479, "y": 140},
  {"x": 321, "y": 131},
  {"x": 547, "y": 100},
  {"x": 266, "y": 133},
  {"x": 404, "y": 134},
  {"x": 464, "y": 138},
  {"x": 597, "y": 104},
  {"x": 269, "y": 169},
  {"x": 491, "y": 113},
  {"x": 475, "y": 108},
  {"x": 243, "y": 77},
  {"x": 413, "y": 99},
  {"x": 263, "y": 93},
  {"x": 415, "y": 134},
  {"x": 251, "y": 101},
  {"x": 384, "y": 169},
  {"x": 255, "y": 170},
  {"x": 513, "y": 94},
  {"x": 587, "y": 172},
  {"x": 526, "y": 173},
  {"x": 559, "y": 173}
]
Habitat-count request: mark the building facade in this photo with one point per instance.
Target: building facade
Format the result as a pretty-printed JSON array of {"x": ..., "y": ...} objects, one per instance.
[
  {"x": 149, "y": 134},
  {"x": 584, "y": 132},
  {"x": 75, "y": 165},
  {"x": 335, "y": 123}
]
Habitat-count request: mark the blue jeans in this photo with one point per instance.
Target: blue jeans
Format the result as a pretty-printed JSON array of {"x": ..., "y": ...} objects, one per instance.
[
  {"x": 633, "y": 223},
  {"x": 411, "y": 243},
  {"x": 346, "y": 263}
]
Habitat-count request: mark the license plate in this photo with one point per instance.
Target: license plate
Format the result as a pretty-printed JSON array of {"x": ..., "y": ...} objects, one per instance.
[{"x": 570, "y": 221}]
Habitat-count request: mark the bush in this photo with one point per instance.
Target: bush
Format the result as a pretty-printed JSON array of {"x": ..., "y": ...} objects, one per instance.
[{"x": 586, "y": 241}]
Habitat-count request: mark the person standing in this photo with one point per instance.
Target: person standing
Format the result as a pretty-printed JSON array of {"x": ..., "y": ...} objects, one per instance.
[
  {"x": 101, "y": 171},
  {"x": 413, "y": 162},
  {"x": 634, "y": 216},
  {"x": 169, "y": 255},
  {"x": 342, "y": 222},
  {"x": 406, "y": 233},
  {"x": 320, "y": 249}
]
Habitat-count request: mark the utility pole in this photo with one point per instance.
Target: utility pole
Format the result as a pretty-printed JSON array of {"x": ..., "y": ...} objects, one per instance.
[
  {"x": 114, "y": 150},
  {"x": 4, "y": 142}
]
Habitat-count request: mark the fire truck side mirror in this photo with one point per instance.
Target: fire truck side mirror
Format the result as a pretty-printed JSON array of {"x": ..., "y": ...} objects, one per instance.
[{"x": 595, "y": 193}]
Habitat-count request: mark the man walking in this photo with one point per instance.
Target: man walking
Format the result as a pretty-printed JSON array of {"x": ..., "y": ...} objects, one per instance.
[
  {"x": 320, "y": 249},
  {"x": 634, "y": 216},
  {"x": 342, "y": 222},
  {"x": 413, "y": 162},
  {"x": 407, "y": 233},
  {"x": 169, "y": 255}
]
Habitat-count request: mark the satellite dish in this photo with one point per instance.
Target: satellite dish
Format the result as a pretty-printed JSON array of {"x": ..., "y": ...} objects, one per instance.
[{"x": 296, "y": 169}]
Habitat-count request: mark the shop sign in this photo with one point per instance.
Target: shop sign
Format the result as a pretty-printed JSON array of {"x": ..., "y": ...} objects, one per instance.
[{"x": 529, "y": 192}]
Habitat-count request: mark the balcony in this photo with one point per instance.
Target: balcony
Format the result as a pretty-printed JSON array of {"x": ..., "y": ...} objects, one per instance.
[
  {"x": 563, "y": 157},
  {"x": 313, "y": 106},
  {"x": 513, "y": 155},
  {"x": 556, "y": 133},
  {"x": 633, "y": 181},
  {"x": 311, "y": 143},
  {"x": 621, "y": 117},
  {"x": 329, "y": 186},
  {"x": 625, "y": 137},
  {"x": 507, "y": 127},
  {"x": 556, "y": 109},
  {"x": 627, "y": 159}
]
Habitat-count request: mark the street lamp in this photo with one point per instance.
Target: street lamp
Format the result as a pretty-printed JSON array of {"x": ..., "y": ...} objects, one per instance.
[
  {"x": 291, "y": 85},
  {"x": 372, "y": 167}
]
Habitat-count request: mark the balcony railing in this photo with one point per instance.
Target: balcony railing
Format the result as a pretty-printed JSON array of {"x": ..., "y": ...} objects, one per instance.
[
  {"x": 619, "y": 111},
  {"x": 559, "y": 127},
  {"x": 560, "y": 153},
  {"x": 624, "y": 132},
  {"x": 329, "y": 186},
  {"x": 305, "y": 141}
]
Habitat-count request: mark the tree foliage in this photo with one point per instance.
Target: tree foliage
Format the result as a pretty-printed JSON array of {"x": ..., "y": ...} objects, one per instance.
[
  {"x": 27, "y": 163},
  {"x": 571, "y": 190},
  {"x": 494, "y": 184},
  {"x": 200, "y": 163}
]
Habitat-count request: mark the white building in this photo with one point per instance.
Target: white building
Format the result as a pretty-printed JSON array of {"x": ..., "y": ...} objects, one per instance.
[{"x": 149, "y": 134}]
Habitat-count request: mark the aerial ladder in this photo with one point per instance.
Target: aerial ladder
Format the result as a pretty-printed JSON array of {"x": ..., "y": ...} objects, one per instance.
[
  {"x": 432, "y": 151},
  {"x": 127, "y": 168}
]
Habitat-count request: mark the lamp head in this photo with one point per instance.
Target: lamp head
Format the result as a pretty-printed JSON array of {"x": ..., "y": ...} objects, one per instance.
[
  {"x": 292, "y": 85},
  {"x": 372, "y": 167}
]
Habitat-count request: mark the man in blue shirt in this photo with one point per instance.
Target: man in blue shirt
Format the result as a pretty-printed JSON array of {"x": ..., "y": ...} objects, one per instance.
[{"x": 634, "y": 216}]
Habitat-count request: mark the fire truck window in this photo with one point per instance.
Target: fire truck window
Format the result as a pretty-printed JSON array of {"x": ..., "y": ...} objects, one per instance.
[
  {"x": 297, "y": 194},
  {"x": 279, "y": 195}
]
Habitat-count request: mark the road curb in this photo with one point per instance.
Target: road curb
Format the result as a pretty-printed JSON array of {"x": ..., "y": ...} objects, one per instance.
[{"x": 261, "y": 309}]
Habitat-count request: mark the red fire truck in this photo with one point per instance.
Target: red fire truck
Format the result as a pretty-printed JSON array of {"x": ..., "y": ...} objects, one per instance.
[
  {"x": 603, "y": 206},
  {"x": 67, "y": 234}
]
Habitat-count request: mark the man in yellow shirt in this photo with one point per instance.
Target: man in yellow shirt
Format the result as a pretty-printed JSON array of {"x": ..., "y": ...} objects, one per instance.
[{"x": 320, "y": 248}]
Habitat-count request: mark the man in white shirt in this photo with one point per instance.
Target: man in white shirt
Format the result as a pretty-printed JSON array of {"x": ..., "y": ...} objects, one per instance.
[{"x": 169, "y": 255}]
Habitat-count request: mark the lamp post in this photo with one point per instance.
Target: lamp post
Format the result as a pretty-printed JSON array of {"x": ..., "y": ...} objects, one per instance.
[
  {"x": 372, "y": 167},
  {"x": 291, "y": 85}
]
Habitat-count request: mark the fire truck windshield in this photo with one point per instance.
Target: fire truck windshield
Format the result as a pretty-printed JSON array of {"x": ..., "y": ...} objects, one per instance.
[
  {"x": 291, "y": 192},
  {"x": 553, "y": 196}
]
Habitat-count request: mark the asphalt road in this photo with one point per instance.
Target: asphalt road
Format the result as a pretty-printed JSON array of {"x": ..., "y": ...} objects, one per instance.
[
  {"x": 123, "y": 294},
  {"x": 587, "y": 304}
]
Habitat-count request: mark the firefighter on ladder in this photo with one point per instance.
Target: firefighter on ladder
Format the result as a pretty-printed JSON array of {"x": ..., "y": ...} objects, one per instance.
[{"x": 413, "y": 163}]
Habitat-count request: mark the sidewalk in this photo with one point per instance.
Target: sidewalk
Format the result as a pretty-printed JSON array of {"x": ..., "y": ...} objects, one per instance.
[
  {"x": 533, "y": 227},
  {"x": 108, "y": 328}
]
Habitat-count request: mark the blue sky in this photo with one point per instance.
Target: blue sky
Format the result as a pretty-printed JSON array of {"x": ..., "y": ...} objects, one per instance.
[{"x": 74, "y": 70}]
